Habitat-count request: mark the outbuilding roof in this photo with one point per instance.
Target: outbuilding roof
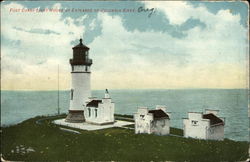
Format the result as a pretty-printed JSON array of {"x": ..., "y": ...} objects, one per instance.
[
  {"x": 93, "y": 103},
  {"x": 214, "y": 120},
  {"x": 157, "y": 114}
]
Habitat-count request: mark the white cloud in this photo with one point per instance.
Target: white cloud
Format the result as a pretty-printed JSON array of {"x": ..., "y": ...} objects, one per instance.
[
  {"x": 211, "y": 57},
  {"x": 178, "y": 12},
  {"x": 222, "y": 38},
  {"x": 92, "y": 25},
  {"x": 214, "y": 57},
  {"x": 31, "y": 59},
  {"x": 41, "y": 20}
]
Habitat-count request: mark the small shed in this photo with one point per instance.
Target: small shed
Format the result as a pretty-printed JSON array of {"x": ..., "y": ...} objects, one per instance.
[
  {"x": 204, "y": 126},
  {"x": 152, "y": 121},
  {"x": 100, "y": 111}
]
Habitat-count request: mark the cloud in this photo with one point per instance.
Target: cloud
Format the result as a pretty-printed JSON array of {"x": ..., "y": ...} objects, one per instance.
[
  {"x": 211, "y": 55},
  {"x": 38, "y": 30},
  {"x": 179, "y": 12},
  {"x": 222, "y": 39},
  {"x": 42, "y": 37}
]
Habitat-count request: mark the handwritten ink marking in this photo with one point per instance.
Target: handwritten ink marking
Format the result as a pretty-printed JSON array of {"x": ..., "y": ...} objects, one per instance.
[{"x": 150, "y": 10}]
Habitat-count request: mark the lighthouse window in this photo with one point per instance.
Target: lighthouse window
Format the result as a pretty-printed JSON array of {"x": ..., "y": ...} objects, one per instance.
[
  {"x": 86, "y": 55},
  {"x": 72, "y": 91},
  {"x": 95, "y": 112},
  {"x": 72, "y": 68},
  {"x": 86, "y": 68}
]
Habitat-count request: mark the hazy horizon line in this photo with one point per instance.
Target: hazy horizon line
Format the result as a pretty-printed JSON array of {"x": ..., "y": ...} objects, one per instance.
[{"x": 141, "y": 89}]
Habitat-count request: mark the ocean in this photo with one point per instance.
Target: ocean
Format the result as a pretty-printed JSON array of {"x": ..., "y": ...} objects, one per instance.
[{"x": 17, "y": 106}]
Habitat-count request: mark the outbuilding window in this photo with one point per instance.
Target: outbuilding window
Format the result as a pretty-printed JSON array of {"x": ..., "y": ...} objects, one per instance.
[
  {"x": 194, "y": 122},
  {"x": 142, "y": 117},
  {"x": 95, "y": 112},
  {"x": 89, "y": 112},
  {"x": 211, "y": 130},
  {"x": 72, "y": 94},
  {"x": 163, "y": 123}
]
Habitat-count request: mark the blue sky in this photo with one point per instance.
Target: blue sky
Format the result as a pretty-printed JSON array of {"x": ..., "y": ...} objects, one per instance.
[{"x": 181, "y": 45}]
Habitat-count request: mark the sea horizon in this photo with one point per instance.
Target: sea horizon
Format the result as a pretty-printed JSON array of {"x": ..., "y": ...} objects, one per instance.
[
  {"x": 17, "y": 106},
  {"x": 139, "y": 89}
]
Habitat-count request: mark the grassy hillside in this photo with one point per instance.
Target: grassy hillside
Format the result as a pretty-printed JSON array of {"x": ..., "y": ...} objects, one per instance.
[{"x": 46, "y": 142}]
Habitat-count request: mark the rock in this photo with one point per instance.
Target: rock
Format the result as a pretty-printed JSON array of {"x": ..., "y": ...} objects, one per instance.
[{"x": 30, "y": 149}]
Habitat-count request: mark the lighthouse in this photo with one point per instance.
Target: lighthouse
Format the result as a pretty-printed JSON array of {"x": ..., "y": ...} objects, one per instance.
[{"x": 80, "y": 83}]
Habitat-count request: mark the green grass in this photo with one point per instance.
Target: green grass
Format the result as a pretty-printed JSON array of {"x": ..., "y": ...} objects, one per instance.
[
  {"x": 130, "y": 126},
  {"x": 176, "y": 131},
  {"x": 125, "y": 116},
  {"x": 52, "y": 144}
]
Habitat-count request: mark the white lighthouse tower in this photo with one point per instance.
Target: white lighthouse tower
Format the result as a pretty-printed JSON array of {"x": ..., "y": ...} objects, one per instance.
[{"x": 80, "y": 83}]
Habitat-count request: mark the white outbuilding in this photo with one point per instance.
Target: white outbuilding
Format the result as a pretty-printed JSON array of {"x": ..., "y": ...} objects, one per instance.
[
  {"x": 152, "y": 121},
  {"x": 204, "y": 126},
  {"x": 100, "y": 111}
]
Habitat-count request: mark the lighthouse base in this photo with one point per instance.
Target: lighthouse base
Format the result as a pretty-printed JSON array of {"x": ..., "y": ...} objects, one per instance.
[{"x": 75, "y": 116}]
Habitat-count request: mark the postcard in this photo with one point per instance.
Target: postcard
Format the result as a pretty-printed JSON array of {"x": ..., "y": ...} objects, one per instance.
[{"x": 124, "y": 81}]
